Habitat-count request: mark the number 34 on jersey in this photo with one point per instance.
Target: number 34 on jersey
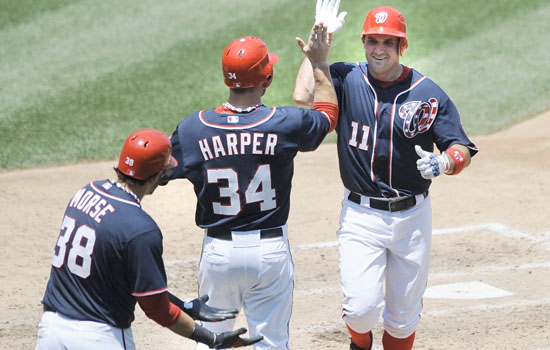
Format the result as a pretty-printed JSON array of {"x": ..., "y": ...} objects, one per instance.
[{"x": 259, "y": 190}]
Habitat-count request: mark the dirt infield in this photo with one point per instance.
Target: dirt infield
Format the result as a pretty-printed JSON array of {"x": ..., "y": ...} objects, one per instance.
[{"x": 491, "y": 230}]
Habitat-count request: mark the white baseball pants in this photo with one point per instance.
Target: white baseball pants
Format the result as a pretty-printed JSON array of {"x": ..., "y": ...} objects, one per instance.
[
  {"x": 57, "y": 332},
  {"x": 254, "y": 274},
  {"x": 378, "y": 247}
]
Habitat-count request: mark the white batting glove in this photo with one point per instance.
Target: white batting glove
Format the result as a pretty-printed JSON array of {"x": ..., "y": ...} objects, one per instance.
[
  {"x": 326, "y": 11},
  {"x": 431, "y": 165}
]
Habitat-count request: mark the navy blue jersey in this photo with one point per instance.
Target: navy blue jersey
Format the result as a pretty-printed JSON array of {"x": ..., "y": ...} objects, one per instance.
[
  {"x": 109, "y": 251},
  {"x": 379, "y": 127},
  {"x": 241, "y": 165}
]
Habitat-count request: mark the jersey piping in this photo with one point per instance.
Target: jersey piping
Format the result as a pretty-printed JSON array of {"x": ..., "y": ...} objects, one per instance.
[
  {"x": 151, "y": 292},
  {"x": 392, "y": 117},
  {"x": 232, "y": 127},
  {"x": 113, "y": 197}
]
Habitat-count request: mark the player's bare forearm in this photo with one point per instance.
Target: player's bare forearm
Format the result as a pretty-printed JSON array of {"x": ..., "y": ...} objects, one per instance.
[
  {"x": 184, "y": 326},
  {"x": 324, "y": 90},
  {"x": 305, "y": 85}
]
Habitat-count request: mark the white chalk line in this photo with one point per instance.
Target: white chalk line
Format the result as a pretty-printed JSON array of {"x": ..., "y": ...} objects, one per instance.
[
  {"x": 486, "y": 307},
  {"x": 316, "y": 245},
  {"x": 488, "y": 269},
  {"x": 181, "y": 261},
  {"x": 324, "y": 290},
  {"x": 495, "y": 227},
  {"x": 437, "y": 276}
]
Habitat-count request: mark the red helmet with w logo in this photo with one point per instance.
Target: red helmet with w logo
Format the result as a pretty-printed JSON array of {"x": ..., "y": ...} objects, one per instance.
[
  {"x": 387, "y": 21},
  {"x": 247, "y": 63}
]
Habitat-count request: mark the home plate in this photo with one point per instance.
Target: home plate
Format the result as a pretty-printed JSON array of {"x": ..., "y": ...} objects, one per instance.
[{"x": 465, "y": 290}]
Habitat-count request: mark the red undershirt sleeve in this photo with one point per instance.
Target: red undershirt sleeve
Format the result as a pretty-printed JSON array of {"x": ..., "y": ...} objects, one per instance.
[
  {"x": 159, "y": 308},
  {"x": 330, "y": 110}
]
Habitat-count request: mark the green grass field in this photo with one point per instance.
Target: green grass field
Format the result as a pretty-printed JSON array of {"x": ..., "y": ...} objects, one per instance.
[{"x": 78, "y": 76}]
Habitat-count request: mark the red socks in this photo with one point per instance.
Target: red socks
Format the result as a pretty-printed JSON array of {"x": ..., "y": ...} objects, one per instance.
[
  {"x": 362, "y": 340},
  {"x": 391, "y": 343}
]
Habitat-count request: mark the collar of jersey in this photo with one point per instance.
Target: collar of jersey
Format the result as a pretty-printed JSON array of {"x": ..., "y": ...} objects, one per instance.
[
  {"x": 103, "y": 190},
  {"x": 205, "y": 113}
]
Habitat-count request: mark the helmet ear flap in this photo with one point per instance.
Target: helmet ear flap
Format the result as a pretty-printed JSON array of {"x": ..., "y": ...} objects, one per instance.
[{"x": 268, "y": 80}]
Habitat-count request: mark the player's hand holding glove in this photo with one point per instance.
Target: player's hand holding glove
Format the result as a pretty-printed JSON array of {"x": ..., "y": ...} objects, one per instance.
[
  {"x": 326, "y": 11},
  {"x": 223, "y": 340},
  {"x": 431, "y": 165},
  {"x": 198, "y": 310}
]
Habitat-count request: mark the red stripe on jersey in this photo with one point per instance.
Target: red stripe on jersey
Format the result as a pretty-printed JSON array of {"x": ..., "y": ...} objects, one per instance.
[
  {"x": 231, "y": 127},
  {"x": 393, "y": 111},
  {"x": 103, "y": 193},
  {"x": 151, "y": 292},
  {"x": 375, "y": 132}
]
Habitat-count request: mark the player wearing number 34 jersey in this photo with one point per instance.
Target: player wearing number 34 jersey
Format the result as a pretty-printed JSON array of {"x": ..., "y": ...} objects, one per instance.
[{"x": 239, "y": 157}]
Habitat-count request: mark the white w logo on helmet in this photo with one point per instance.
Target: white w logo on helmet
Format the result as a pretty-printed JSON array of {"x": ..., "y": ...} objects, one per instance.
[{"x": 381, "y": 17}]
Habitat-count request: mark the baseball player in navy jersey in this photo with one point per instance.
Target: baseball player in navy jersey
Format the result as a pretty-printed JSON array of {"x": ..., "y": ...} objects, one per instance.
[
  {"x": 109, "y": 255},
  {"x": 390, "y": 118},
  {"x": 239, "y": 157}
]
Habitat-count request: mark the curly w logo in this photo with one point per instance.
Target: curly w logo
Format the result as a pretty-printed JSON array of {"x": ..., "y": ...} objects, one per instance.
[
  {"x": 418, "y": 116},
  {"x": 381, "y": 17}
]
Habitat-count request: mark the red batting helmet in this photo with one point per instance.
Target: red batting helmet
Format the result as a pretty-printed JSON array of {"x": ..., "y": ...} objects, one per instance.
[
  {"x": 145, "y": 153},
  {"x": 387, "y": 21},
  {"x": 247, "y": 63}
]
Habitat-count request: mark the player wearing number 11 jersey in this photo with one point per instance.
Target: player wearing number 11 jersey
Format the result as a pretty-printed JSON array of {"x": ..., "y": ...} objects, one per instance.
[{"x": 239, "y": 157}]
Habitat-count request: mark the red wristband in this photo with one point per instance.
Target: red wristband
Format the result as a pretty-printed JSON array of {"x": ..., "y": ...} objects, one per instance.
[{"x": 459, "y": 159}]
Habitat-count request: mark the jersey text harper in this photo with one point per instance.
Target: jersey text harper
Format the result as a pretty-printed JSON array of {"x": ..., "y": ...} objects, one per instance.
[{"x": 238, "y": 144}]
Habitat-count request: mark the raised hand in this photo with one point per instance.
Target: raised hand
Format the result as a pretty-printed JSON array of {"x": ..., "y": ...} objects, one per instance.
[
  {"x": 317, "y": 48},
  {"x": 326, "y": 11}
]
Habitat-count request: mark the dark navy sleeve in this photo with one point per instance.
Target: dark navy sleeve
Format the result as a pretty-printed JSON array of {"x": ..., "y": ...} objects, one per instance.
[
  {"x": 177, "y": 152},
  {"x": 146, "y": 273},
  {"x": 448, "y": 129},
  {"x": 337, "y": 72},
  {"x": 314, "y": 128}
]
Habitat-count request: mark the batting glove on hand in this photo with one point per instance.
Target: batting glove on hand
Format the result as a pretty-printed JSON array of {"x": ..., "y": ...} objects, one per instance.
[
  {"x": 198, "y": 310},
  {"x": 232, "y": 339},
  {"x": 431, "y": 165},
  {"x": 326, "y": 11}
]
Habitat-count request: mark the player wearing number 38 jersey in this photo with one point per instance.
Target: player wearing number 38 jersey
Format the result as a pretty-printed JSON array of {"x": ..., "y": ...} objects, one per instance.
[
  {"x": 239, "y": 157},
  {"x": 108, "y": 256}
]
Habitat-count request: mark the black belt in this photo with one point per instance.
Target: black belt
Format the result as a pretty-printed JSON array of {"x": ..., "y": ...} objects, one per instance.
[
  {"x": 47, "y": 308},
  {"x": 226, "y": 235},
  {"x": 387, "y": 204}
]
